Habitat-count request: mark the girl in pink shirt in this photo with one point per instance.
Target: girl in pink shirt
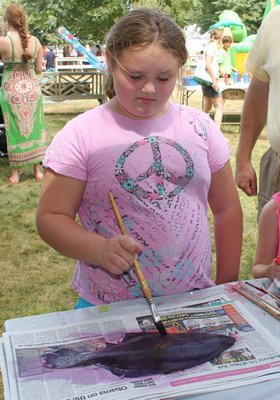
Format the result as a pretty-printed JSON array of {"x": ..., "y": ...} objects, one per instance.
[{"x": 163, "y": 162}]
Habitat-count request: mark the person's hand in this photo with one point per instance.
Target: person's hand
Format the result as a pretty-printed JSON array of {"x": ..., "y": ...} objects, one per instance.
[
  {"x": 246, "y": 179},
  {"x": 117, "y": 254},
  {"x": 215, "y": 85},
  {"x": 274, "y": 269}
]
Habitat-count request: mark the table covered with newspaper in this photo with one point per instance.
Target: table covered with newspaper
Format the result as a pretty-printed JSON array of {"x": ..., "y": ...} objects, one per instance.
[{"x": 253, "y": 359}]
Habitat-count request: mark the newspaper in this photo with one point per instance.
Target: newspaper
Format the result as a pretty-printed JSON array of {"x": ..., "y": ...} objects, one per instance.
[{"x": 254, "y": 357}]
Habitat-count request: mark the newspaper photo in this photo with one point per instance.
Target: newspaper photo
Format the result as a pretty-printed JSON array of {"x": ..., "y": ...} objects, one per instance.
[{"x": 63, "y": 363}]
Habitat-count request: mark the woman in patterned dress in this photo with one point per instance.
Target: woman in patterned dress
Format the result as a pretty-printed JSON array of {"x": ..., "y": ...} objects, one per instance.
[{"x": 21, "y": 98}]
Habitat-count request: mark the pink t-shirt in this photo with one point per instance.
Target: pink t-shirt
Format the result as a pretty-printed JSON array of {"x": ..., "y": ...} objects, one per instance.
[{"x": 159, "y": 172}]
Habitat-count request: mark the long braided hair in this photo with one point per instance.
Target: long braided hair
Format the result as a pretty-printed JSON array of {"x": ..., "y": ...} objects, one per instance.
[{"x": 15, "y": 16}]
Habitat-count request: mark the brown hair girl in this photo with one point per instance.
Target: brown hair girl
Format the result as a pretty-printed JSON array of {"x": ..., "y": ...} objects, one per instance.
[
  {"x": 15, "y": 17},
  {"x": 142, "y": 27},
  {"x": 216, "y": 34}
]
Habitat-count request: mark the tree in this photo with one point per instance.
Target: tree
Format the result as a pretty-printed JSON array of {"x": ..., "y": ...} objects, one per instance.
[
  {"x": 90, "y": 20},
  {"x": 178, "y": 9},
  {"x": 3, "y": 5},
  {"x": 250, "y": 12}
]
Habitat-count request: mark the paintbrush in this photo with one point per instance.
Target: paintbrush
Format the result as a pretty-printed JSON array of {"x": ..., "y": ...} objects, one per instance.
[
  {"x": 147, "y": 293},
  {"x": 258, "y": 297},
  {"x": 261, "y": 289},
  {"x": 259, "y": 302}
]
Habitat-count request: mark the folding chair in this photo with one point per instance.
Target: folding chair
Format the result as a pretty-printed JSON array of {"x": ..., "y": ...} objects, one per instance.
[{"x": 232, "y": 116}]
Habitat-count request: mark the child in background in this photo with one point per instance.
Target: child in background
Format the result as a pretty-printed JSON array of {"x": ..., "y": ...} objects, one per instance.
[
  {"x": 225, "y": 66},
  {"x": 212, "y": 94},
  {"x": 163, "y": 163}
]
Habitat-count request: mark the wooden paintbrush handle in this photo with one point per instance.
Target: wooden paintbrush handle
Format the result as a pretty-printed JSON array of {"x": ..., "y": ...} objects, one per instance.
[
  {"x": 143, "y": 283},
  {"x": 259, "y": 303},
  {"x": 117, "y": 214},
  {"x": 142, "y": 280},
  {"x": 263, "y": 290},
  {"x": 136, "y": 265}
]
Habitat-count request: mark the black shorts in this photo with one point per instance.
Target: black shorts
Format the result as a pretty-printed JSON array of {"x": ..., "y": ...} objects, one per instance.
[{"x": 208, "y": 91}]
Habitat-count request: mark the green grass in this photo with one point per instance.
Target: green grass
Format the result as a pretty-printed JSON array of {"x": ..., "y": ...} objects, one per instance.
[
  {"x": 249, "y": 204},
  {"x": 34, "y": 278}
]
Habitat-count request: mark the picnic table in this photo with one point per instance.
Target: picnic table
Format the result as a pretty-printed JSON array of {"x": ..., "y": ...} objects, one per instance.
[{"x": 230, "y": 92}]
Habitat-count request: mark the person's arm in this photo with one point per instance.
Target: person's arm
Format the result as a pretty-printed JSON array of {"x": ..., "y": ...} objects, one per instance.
[
  {"x": 253, "y": 120},
  {"x": 1, "y": 47},
  {"x": 4, "y": 30},
  {"x": 56, "y": 223},
  {"x": 267, "y": 244},
  {"x": 221, "y": 62},
  {"x": 39, "y": 58},
  {"x": 221, "y": 72},
  {"x": 44, "y": 64},
  {"x": 4, "y": 47},
  {"x": 225, "y": 205},
  {"x": 209, "y": 68}
]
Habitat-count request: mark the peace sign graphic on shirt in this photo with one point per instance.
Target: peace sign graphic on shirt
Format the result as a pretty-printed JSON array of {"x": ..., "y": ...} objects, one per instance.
[{"x": 159, "y": 180}]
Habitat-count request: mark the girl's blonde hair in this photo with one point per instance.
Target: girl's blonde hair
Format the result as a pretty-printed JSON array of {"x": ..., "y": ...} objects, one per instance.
[
  {"x": 216, "y": 34},
  {"x": 15, "y": 16},
  {"x": 142, "y": 27}
]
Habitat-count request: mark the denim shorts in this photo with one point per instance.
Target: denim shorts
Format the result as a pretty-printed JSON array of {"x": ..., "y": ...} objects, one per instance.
[{"x": 208, "y": 91}]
